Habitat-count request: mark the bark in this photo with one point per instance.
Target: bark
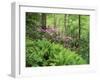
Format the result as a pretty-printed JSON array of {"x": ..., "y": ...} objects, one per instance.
[
  {"x": 55, "y": 20},
  {"x": 79, "y": 26},
  {"x": 43, "y": 20}
]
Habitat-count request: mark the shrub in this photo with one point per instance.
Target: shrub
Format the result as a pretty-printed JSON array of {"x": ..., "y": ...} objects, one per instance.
[{"x": 46, "y": 53}]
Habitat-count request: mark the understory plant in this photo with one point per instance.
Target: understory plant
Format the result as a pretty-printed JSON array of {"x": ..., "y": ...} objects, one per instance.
[{"x": 43, "y": 52}]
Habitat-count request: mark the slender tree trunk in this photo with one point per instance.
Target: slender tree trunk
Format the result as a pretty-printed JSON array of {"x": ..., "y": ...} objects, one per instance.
[
  {"x": 55, "y": 20},
  {"x": 79, "y": 32},
  {"x": 65, "y": 23},
  {"x": 43, "y": 20},
  {"x": 79, "y": 26},
  {"x": 40, "y": 21}
]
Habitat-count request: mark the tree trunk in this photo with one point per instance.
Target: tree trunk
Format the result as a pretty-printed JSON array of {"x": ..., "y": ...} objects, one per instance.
[
  {"x": 79, "y": 26},
  {"x": 43, "y": 20},
  {"x": 79, "y": 23},
  {"x": 65, "y": 23},
  {"x": 55, "y": 20}
]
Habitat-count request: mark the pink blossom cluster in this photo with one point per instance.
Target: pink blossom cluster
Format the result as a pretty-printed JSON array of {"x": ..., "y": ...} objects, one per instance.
[
  {"x": 52, "y": 30},
  {"x": 48, "y": 30}
]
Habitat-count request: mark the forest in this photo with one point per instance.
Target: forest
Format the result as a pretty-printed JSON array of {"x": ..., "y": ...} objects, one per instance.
[{"x": 54, "y": 39}]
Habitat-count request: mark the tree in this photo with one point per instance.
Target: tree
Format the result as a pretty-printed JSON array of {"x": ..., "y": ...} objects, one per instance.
[
  {"x": 43, "y": 20},
  {"x": 79, "y": 26},
  {"x": 66, "y": 23},
  {"x": 55, "y": 20}
]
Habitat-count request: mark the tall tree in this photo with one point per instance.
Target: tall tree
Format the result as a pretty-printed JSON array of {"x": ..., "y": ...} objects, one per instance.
[
  {"x": 79, "y": 26},
  {"x": 43, "y": 20},
  {"x": 55, "y": 20},
  {"x": 66, "y": 23}
]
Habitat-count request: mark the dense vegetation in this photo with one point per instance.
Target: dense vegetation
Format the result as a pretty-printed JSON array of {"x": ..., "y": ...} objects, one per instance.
[{"x": 56, "y": 39}]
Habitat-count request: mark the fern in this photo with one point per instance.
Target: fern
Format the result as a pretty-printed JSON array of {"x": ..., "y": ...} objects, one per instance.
[{"x": 46, "y": 53}]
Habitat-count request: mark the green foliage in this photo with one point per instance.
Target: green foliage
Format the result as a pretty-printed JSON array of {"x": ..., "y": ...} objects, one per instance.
[
  {"x": 44, "y": 53},
  {"x": 84, "y": 41},
  {"x": 62, "y": 47},
  {"x": 32, "y": 22}
]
